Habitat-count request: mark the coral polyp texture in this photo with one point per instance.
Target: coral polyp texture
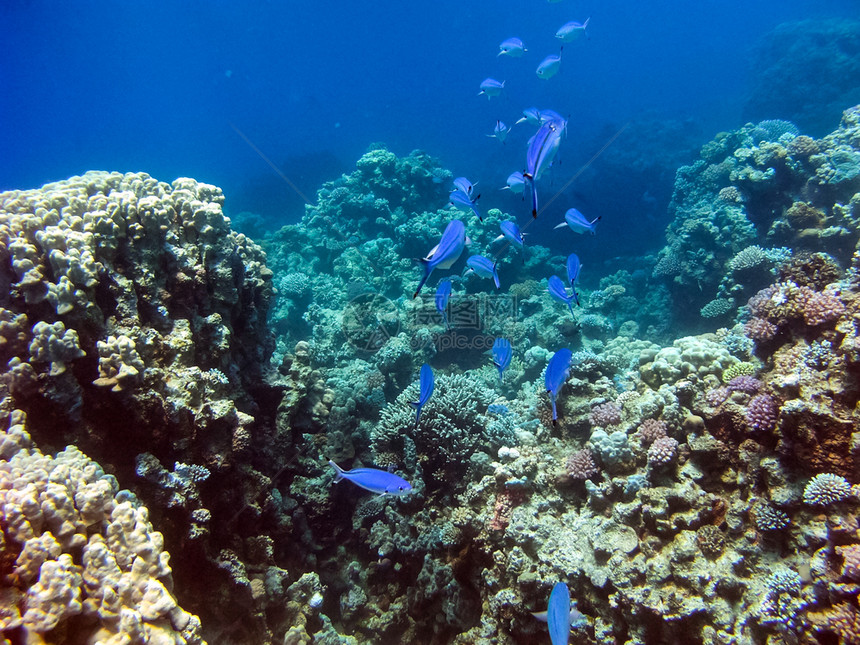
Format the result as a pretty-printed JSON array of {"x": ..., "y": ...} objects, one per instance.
[{"x": 87, "y": 565}]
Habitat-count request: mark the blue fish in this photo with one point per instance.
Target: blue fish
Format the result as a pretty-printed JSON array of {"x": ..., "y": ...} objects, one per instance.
[
  {"x": 500, "y": 132},
  {"x": 444, "y": 254},
  {"x": 556, "y": 374},
  {"x": 426, "y": 385},
  {"x": 483, "y": 267},
  {"x": 543, "y": 147},
  {"x": 552, "y": 115},
  {"x": 512, "y": 233},
  {"x": 556, "y": 289},
  {"x": 578, "y": 223},
  {"x": 443, "y": 292},
  {"x": 572, "y": 30},
  {"x": 531, "y": 116},
  {"x": 512, "y": 47},
  {"x": 491, "y": 87},
  {"x": 461, "y": 183},
  {"x": 574, "y": 266},
  {"x": 373, "y": 479},
  {"x": 516, "y": 182},
  {"x": 559, "y": 615},
  {"x": 461, "y": 201},
  {"x": 502, "y": 355},
  {"x": 549, "y": 66}
]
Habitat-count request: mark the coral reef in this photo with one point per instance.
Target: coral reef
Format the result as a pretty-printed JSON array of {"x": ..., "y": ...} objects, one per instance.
[
  {"x": 699, "y": 484},
  {"x": 82, "y": 559},
  {"x": 719, "y": 252}
]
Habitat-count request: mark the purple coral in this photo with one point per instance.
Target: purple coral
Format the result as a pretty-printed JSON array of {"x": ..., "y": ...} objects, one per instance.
[
  {"x": 580, "y": 464},
  {"x": 759, "y": 329},
  {"x": 605, "y": 414},
  {"x": 650, "y": 430},
  {"x": 762, "y": 413},
  {"x": 663, "y": 451},
  {"x": 717, "y": 396},
  {"x": 745, "y": 384},
  {"x": 819, "y": 308}
]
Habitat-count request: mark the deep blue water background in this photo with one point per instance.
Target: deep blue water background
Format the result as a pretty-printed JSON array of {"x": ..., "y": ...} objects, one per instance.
[{"x": 166, "y": 88}]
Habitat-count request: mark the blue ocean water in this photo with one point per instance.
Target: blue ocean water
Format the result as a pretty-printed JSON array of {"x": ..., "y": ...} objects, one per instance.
[{"x": 224, "y": 91}]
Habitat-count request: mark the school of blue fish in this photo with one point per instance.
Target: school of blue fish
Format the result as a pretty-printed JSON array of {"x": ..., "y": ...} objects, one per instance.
[{"x": 542, "y": 148}]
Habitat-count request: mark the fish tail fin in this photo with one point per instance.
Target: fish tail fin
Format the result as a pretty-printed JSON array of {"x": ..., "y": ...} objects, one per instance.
[
  {"x": 570, "y": 306},
  {"x": 427, "y": 272},
  {"x": 533, "y": 185},
  {"x": 338, "y": 471},
  {"x": 594, "y": 224},
  {"x": 496, "y": 274}
]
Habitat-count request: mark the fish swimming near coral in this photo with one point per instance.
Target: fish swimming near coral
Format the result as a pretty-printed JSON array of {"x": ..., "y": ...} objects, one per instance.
[
  {"x": 444, "y": 254},
  {"x": 512, "y": 233},
  {"x": 484, "y": 267},
  {"x": 426, "y": 385},
  {"x": 501, "y": 355},
  {"x": 557, "y": 372},
  {"x": 543, "y": 147},
  {"x": 376, "y": 481},
  {"x": 513, "y": 47},
  {"x": 560, "y": 614},
  {"x": 463, "y": 202},
  {"x": 549, "y": 66},
  {"x": 501, "y": 131},
  {"x": 572, "y": 30},
  {"x": 557, "y": 290},
  {"x": 578, "y": 222},
  {"x": 443, "y": 292},
  {"x": 491, "y": 87}
]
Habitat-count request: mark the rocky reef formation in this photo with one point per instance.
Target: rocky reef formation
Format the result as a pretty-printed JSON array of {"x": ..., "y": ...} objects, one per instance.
[
  {"x": 757, "y": 196},
  {"x": 134, "y": 327},
  {"x": 696, "y": 489}
]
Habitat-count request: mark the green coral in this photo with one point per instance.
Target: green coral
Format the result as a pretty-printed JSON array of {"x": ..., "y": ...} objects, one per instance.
[{"x": 738, "y": 369}]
